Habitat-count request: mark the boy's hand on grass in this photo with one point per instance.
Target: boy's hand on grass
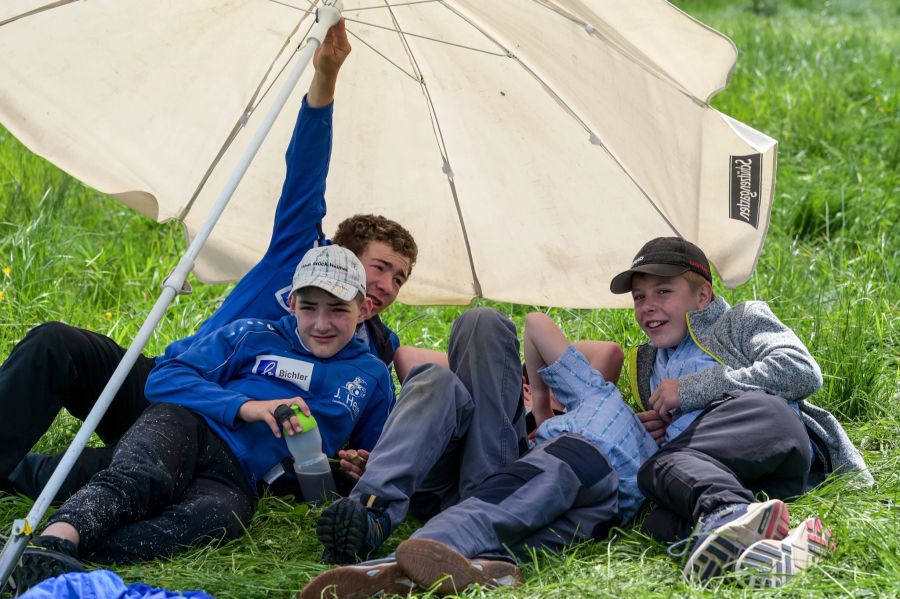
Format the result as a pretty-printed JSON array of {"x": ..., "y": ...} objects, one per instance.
[
  {"x": 655, "y": 425},
  {"x": 263, "y": 410},
  {"x": 665, "y": 399},
  {"x": 353, "y": 461}
]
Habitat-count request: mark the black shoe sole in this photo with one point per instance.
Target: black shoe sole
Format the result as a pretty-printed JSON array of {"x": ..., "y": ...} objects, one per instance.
[
  {"x": 36, "y": 565},
  {"x": 342, "y": 530}
]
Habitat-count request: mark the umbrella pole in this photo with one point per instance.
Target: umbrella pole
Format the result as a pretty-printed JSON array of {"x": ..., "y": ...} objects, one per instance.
[{"x": 22, "y": 529}]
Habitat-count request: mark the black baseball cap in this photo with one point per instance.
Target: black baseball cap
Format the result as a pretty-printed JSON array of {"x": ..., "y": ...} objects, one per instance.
[{"x": 665, "y": 257}]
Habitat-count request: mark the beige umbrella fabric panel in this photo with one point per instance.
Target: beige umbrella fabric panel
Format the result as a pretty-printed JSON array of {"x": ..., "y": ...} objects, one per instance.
[
  {"x": 661, "y": 38},
  {"x": 136, "y": 112}
]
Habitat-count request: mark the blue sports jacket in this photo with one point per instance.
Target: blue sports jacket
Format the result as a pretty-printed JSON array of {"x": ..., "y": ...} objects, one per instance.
[
  {"x": 263, "y": 292},
  {"x": 350, "y": 394}
]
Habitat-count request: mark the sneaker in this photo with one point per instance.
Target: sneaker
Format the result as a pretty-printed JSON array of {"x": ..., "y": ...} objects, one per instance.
[
  {"x": 358, "y": 582},
  {"x": 438, "y": 567},
  {"x": 43, "y": 558},
  {"x": 771, "y": 563},
  {"x": 350, "y": 532},
  {"x": 724, "y": 534}
]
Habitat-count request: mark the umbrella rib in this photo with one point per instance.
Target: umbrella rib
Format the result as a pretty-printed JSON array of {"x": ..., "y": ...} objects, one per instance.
[
  {"x": 442, "y": 148},
  {"x": 37, "y": 10},
  {"x": 255, "y": 100},
  {"x": 594, "y": 138},
  {"x": 395, "y": 4},
  {"x": 425, "y": 37},
  {"x": 357, "y": 9}
]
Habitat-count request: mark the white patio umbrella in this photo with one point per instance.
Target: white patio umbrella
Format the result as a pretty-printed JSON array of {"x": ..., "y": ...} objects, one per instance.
[{"x": 531, "y": 146}]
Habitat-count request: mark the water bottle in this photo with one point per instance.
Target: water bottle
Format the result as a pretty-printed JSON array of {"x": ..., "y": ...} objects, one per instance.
[{"x": 310, "y": 464}]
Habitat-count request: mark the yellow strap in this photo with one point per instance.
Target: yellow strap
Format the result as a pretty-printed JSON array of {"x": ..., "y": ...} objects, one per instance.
[{"x": 635, "y": 400}]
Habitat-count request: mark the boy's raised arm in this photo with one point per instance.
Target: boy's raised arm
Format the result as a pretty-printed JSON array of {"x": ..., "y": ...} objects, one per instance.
[
  {"x": 327, "y": 63},
  {"x": 301, "y": 207},
  {"x": 544, "y": 344}
]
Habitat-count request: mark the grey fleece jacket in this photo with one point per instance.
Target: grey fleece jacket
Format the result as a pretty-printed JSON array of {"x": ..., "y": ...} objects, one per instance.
[{"x": 755, "y": 351}]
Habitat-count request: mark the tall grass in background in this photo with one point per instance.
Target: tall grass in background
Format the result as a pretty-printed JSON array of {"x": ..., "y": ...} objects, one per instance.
[{"x": 821, "y": 77}]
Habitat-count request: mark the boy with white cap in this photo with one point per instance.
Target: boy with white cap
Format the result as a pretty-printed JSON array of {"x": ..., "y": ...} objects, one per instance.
[{"x": 187, "y": 470}]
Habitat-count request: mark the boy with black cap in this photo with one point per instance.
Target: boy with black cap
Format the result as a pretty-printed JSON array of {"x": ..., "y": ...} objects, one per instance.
[
  {"x": 187, "y": 470},
  {"x": 723, "y": 389}
]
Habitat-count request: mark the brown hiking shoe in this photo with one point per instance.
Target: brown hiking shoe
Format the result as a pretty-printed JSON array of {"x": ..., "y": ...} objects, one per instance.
[
  {"x": 429, "y": 563},
  {"x": 358, "y": 582}
]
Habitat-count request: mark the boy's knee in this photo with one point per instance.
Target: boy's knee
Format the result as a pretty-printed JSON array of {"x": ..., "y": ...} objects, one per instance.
[
  {"x": 169, "y": 414},
  {"x": 52, "y": 334},
  {"x": 768, "y": 415},
  {"x": 483, "y": 321},
  {"x": 506, "y": 482},
  {"x": 430, "y": 383},
  {"x": 646, "y": 472},
  {"x": 536, "y": 319},
  {"x": 432, "y": 376}
]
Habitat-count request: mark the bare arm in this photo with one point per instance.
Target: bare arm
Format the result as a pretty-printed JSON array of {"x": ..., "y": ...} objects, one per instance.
[
  {"x": 327, "y": 61},
  {"x": 606, "y": 357},
  {"x": 544, "y": 344},
  {"x": 407, "y": 356}
]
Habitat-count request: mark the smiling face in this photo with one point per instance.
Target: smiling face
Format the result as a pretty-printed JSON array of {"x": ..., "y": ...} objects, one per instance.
[
  {"x": 661, "y": 303},
  {"x": 386, "y": 273},
  {"x": 326, "y": 323}
]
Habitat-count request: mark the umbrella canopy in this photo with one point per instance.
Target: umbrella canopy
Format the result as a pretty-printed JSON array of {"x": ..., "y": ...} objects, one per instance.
[{"x": 530, "y": 146}]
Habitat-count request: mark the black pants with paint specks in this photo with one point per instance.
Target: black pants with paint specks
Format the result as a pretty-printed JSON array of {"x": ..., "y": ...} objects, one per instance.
[
  {"x": 172, "y": 483},
  {"x": 59, "y": 366}
]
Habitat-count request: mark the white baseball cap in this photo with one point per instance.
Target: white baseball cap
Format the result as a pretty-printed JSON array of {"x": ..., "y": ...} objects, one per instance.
[{"x": 333, "y": 268}]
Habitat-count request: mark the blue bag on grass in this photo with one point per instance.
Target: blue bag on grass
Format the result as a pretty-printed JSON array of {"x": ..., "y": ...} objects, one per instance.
[{"x": 102, "y": 584}]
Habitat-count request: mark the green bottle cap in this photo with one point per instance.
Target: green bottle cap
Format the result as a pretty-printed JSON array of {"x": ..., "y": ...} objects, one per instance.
[{"x": 307, "y": 423}]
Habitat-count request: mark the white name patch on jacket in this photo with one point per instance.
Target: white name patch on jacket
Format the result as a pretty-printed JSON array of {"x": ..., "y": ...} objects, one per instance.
[{"x": 286, "y": 369}]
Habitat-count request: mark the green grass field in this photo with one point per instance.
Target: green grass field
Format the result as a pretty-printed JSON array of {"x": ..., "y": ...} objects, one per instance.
[{"x": 821, "y": 77}]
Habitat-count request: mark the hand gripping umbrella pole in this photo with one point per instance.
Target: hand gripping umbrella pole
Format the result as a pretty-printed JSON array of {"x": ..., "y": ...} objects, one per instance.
[{"x": 22, "y": 529}]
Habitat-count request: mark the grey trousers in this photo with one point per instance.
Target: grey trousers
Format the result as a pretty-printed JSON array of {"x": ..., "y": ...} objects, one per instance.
[
  {"x": 451, "y": 428},
  {"x": 562, "y": 491}
]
